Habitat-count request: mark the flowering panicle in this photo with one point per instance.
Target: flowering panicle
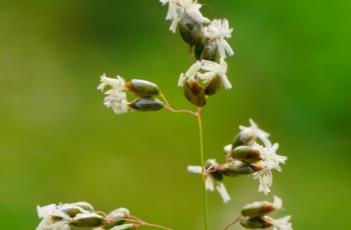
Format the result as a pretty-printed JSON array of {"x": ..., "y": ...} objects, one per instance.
[
  {"x": 83, "y": 215},
  {"x": 254, "y": 216}
]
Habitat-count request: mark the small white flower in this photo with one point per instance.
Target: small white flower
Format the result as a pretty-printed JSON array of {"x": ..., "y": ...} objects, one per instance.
[
  {"x": 210, "y": 182},
  {"x": 282, "y": 223},
  {"x": 191, "y": 74},
  {"x": 52, "y": 218},
  {"x": 177, "y": 9},
  {"x": 213, "y": 70},
  {"x": 205, "y": 71},
  {"x": 218, "y": 31},
  {"x": 270, "y": 161},
  {"x": 255, "y": 131},
  {"x": 116, "y": 97}
]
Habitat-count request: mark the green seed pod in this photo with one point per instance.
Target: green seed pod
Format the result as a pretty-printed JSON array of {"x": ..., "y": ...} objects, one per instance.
[
  {"x": 84, "y": 205},
  {"x": 255, "y": 222},
  {"x": 116, "y": 217},
  {"x": 124, "y": 227},
  {"x": 146, "y": 104},
  {"x": 194, "y": 92},
  {"x": 213, "y": 86},
  {"x": 190, "y": 31},
  {"x": 199, "y": 48},
  {"x": 210, "y": 52},
  {"x": 71, "y": 210},
  {"x": 142, "y": 88},
  {"x": 88, "y": 220},
  {"x": 246, "y": 154},
  {"x": 258, "y": 209},
  {"x": 236, "y": 168},
  {"x": 243, "y": 139}
]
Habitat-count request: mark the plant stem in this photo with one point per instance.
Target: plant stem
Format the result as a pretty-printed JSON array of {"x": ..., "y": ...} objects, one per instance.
[
  {"x": 202, "y": 156},
  {"x": 170, "y": 108},
  {"x": 233, "y": 223}
]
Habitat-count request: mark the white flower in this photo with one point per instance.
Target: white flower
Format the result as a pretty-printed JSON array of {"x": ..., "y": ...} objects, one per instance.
[
  {"x": 205, "y": 71},
  {"x": 270, "y": 161},
  {"x": 213, "y": 70},
  {"x": 116, "y": 97},
  {"x": 190, "y": 74},
  {"x": 254, "y": 131},
  {"x": 282, "y": 223},
  {"x": 177, "y": 9},
  {"x": 210, "y": 183},
  {"x": 53, "y": 218},
  {"x": 218, "y": 31}
]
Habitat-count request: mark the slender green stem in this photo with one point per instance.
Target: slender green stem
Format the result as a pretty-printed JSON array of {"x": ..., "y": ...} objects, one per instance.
[
  {"x": 202, "y": 155},
  {"x": 171, "y": 109}
]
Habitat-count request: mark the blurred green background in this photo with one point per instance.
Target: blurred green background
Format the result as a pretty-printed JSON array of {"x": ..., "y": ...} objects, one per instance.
[{"x": 58, "y": 143}]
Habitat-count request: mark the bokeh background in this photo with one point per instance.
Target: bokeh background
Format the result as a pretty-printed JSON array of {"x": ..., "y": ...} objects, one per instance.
[{"x": 58, "y": 143}]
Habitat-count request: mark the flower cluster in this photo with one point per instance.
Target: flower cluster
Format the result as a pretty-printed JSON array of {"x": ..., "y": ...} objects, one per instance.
[
  {"x": 116, "y": 96},
  {"x": 83, "y": 215},
  {"x": 250, "y": 154},
  {"x": 209, "y": 73},
  {"x": 254, "y": 216}
]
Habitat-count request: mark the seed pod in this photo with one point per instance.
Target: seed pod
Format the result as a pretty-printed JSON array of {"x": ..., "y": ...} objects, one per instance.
[
  {"x": 142, "y": 88},
  {"x": 246, "y": 154},
  {"x": 190, "y": 31},
  {"x": 199, "y": 48},
  {"x": 210, "y": 52},
  {"x": 213, "y": 86},
  {"x": 146, "y": 104},
  {"x": 71, "y": 210},
  {"x": 124, "y": 227},
  {"x": 88, "y": 220},
  {"x": 194, "y": 92},
  {"x": 256, "y": 209},
  {"x": 84, "y": 205},
  {"x": 116, "y": 217},
  {"x": 255, "y": 222},
  {"x": 243, "y": 139},
  {"x": 236, "y": 168}
]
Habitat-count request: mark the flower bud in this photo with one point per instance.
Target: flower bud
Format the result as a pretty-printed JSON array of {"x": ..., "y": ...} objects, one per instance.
[
  {"x": 84, "y": 205},
  {"x": 142, "y": 88},
  {"x": 246, "y": 154},
  {"x": 88, "y": 220},
  {"x": 190, "y": 31},
  {"x": 256, "y": 209},
  {"x": 236, "y": 168},
  {"x": 146, "y": 104},
  {"x": 213, "y": 86},
  {"x": 194, "y": 92},
  {"x": 255, "y": 222}
]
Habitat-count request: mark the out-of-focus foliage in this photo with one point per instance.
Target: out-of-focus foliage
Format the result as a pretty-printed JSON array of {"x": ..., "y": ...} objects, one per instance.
[{"x": 291, "y": 73}]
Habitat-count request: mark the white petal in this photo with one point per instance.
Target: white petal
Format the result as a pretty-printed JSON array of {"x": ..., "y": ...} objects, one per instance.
[
  {"x": 209, "y": 184},
  {"x": 221, "y": 189},
  {"x": 194, "y": 169},
  {"x": 46, "y": 210},
  {"x": 282, "y": 224},
  {"x": 277, "y": 203},
  {"x": 228, "y": 148}
]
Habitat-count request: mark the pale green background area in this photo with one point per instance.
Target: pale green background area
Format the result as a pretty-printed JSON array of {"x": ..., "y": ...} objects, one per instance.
[{"x": 58, "y": 143}]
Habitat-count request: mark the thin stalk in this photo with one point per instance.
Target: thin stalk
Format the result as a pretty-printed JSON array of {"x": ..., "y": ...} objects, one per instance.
[
  {"x": 202, "y": 157},
  {"x": 170, "y": 108},
  {"x": 142, "y": 223},
  {"x": 233, "y": 223}
]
